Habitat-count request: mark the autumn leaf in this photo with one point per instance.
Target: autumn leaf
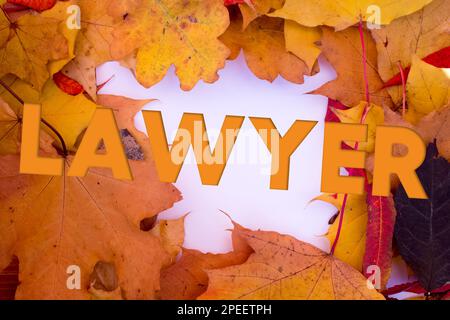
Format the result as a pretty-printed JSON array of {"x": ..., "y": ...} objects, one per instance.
[
  {"x": 374, "y": 118},
  {"x": 436, "y": 127},
  {"x": 95, "y": 38},
  {"x": 160, "y": 28},
  {"x": 421, "y": 231},
  {"x": 433, "y": 127},
  {"x": 440, "y": 59},
  {"x": 38, "y": 5},
  {"x": 264, "y": 49},
  {"x": 187, "y": 279},
  {"x": 301, "y": 41},
  {"x": 420, "y": 34},
  {"x": 285, "y": 268},
  {"x": 344, "y": 51},
  {"x": 342, "y": 14},
  {"x": 144, "y": 172},
  {"x": 70, "y": 115},
  {"x": 252, "y": 9},
  {"x": 61, "y": 221},
  {"x": 352, "y": 238},
  {"x": 427, "y": 89},
  {"x": 30, "y": 42},
  {"x": 379, "y": 236},
  {"x": 68, "y": 85}
]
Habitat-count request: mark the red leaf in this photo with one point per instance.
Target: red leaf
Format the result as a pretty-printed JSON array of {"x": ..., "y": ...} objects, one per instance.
[
  {"x": 67, "y": 84},
  {"x": 38, "y": 5},
  {"x": 413, "y": 287},
  {"x": 331, "y": 116},
  {"x": 9, "y": 280},
  {"x": 380, "y": 232},
  {"x": 439, "y": 59}
]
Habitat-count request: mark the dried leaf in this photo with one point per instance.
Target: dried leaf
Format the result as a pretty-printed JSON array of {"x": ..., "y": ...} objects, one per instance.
[
  {"x": 30, "y": 42},
  {"x": 285, "y": 268},
  {"x": 265, "y": 50},
  {"x": 421, "y": 231},
  {"x": 420, "y": 34},
  {"x": 160, "y": 28},
  {"x": 342, "y": 14},
  {"x": 343, "y": 50}
]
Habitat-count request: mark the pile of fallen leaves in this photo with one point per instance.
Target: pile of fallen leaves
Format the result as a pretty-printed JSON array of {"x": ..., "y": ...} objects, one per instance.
[{"x": 393, "y": 74}]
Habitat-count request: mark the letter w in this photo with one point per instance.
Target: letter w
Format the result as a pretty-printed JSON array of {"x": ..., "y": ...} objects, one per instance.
[{"x": 191, "y": 132}]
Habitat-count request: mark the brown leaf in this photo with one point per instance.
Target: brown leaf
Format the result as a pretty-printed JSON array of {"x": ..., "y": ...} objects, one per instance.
[
  {"x": 343, "y": 50},
  {"x": 285, "y": 268},
  {"x": 264, "y": 47}
]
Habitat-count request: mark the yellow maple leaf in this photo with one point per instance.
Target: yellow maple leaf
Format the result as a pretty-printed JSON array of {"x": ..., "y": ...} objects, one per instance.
[
  {"x": 427, "y": 89},
  {"x": 86, "y": 222},
  {"x": 183, "y": 34},
  {"x": 30, "y": 42},
  {"x": 70, "y": 115},
  {"x": 345, "y": 13},
  {"x": 93, "y": 44},
  {"x": 301, "y": 41},
  {"x": 422, "y": 33},
  {"x": 285, "y": 268}
]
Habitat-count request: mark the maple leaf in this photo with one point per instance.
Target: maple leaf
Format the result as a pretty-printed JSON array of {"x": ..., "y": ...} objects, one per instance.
[
  {"x": 30, "y": 42},
  {"x": 421, "y": 230},
  {"x": 379, "y": 235},
  {"x": 427, "y": 89},
  {"x": 187, "y": 279},
  {"x": 69, "y": 115},
  {"x": 160, "y": 28},
  {"x": 301, "y": 41},
  {"x": 283, "y": 267},
  {"x": 342, "y": 14},
  {"x": 95, "y": 38},
  {"x": 265, "y": 50},
  {"x": 421, "y": 34},
  {"x": 61, "y": 221},
  {"x": 343, "y": 50}
]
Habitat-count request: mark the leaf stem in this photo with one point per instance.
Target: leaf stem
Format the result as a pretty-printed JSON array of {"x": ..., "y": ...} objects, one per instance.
[
  {"x": 363, "y": 119},
  {"x": 402, "y": 74},
  {"x": 48, "y": 125}
]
